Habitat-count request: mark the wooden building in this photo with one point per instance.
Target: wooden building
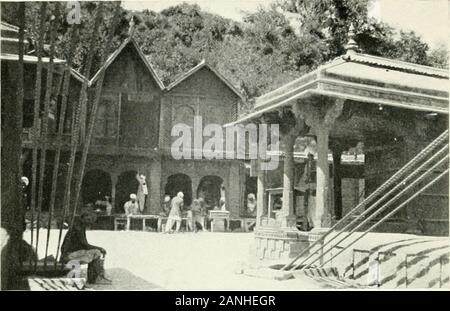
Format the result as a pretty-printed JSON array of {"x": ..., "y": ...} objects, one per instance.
[
  {"x": 395, "y": 108},
  {"x": 133, "y": 133}
]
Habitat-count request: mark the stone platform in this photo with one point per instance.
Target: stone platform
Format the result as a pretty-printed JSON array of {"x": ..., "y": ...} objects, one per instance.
[{"x": 282, "y": 243}]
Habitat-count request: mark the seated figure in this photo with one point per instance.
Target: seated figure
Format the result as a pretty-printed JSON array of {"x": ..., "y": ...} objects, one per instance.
[{"x": 76, "y": 248}]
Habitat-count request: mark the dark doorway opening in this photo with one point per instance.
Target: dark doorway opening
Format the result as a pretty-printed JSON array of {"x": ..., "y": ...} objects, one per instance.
[
  {"x": 209, "y": 189},
  {"x": 126, "y": 185},
  {"x": 96, "y": 184},
  {"x": 179, "y": 182}
]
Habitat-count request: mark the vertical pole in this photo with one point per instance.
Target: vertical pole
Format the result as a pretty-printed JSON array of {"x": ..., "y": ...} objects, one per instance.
[
  {"x": 36, "y": 113},
  {"x": 113, "y": 192},
  {"x": 260, "y": 192},
  {"x": 19, "y": 216},
  {"x": 287, "y": 214},
  {"x": 337, "y": 184},
  {"x": 322, "y": 176},
  {"x": 155, "y": 186}
]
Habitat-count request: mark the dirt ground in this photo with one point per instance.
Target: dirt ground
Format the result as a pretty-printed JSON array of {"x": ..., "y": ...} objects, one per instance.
[
  {"x": 139, "y": 260},
  {"x": 184, "y": 261}
]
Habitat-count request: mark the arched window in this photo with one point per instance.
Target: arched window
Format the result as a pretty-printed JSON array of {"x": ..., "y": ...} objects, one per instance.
[
  {"x": 96, "y": 184},
  {"x": 179, "y": 182},
  {"x": 209, "y": 189}
]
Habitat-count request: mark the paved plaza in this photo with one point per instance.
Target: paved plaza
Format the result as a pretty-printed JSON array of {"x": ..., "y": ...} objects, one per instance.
[
  {"x": 209, "y": 261},
  {"x": 185, "y": 261}
]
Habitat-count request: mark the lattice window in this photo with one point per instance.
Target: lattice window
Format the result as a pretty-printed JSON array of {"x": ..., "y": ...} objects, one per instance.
[{"x": 106, "y": 122}]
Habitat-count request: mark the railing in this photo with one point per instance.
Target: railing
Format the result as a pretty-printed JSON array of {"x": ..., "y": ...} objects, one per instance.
[{"x": 410, "y": 181}]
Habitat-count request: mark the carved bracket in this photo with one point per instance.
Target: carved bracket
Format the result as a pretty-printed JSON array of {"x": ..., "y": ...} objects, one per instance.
[{"x": 319, "y": 116}]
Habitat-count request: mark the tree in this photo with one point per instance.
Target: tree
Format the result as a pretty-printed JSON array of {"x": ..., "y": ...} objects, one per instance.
[
  {"x": 257, "y": 55},
  {"x": 438, "y": 57}
]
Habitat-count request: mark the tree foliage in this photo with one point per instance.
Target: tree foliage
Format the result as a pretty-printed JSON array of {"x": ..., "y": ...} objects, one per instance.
[{"x": 267, "y": 49}]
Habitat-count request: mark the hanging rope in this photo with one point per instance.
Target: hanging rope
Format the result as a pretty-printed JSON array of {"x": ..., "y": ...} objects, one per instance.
[
  {"x": 73, "y": 35},
  {"x": 93, "y": 114},
  {"x": 37, "y": 104},
  {"x": 44, "y": 129},
  {"x": 75, "y": 133}
]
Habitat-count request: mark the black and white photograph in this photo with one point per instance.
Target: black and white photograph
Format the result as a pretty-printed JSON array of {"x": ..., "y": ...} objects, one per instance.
[{"x": 215, "y": 146}]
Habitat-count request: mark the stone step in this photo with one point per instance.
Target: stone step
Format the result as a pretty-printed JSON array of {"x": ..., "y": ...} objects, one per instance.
[{"x": 394, "y": 270}]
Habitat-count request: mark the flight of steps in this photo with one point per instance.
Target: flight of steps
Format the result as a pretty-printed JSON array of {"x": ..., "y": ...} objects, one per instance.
[{"x": 408, "y": 263}]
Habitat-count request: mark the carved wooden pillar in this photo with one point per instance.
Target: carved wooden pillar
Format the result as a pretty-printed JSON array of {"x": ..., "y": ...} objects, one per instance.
[
  {"x": 337, "y": 181},
  {"x": 114, "y": 178},
  {"x": 287, "y": 209},
  {"x": 322, "y": 178},
  {"x": 320, "y": 114},
  {"x": 291, "y": 127},
  {"x": 261, "y": 203}
]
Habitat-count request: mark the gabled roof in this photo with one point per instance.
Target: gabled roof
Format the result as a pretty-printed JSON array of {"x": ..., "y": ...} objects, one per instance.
[
  {"x": 116, "y": 53},
  {"x": 364, "y": 78},
  {"x": 204, "y": 64}
]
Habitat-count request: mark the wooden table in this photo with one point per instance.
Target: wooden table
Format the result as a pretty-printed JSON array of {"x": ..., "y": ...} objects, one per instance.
[
  {"x": 219, "y": 215},
  {"x": 142, "y": 217},
  {"x": 127, "y": 220}
]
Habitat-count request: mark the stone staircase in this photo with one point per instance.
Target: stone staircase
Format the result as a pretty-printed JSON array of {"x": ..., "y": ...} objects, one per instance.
[{"x": 406, "y": 263}]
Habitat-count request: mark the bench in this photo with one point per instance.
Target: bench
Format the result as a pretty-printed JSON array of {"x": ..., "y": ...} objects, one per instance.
[
  {"x": 125, "y": 221},
  {"x": 245, "y": 223}
]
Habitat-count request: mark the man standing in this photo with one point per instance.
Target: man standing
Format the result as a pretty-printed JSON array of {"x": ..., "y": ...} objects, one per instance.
[
  {"x": 175, "y": 213},
  {"x": 142, "y": 191},
  {"x": 76, "y": 248}
]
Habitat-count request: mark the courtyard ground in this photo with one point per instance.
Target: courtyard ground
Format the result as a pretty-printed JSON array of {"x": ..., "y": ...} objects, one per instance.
[
  {"x": 184, "y": 261},
  {"x": 205, "y": 260}
]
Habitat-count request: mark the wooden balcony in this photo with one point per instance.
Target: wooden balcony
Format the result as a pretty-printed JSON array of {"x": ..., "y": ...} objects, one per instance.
[{"x": 99, "y": 146}]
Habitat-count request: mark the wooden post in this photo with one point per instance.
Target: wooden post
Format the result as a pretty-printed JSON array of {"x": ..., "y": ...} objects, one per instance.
[
  {"x": 337, "y": 183},
  {"x": 113, "y": 192},
  {"x": 287, "y": 209},
  {"x": 321, "y": 119},
  {"x": 322, "y": 176},
  {"x": 261, "y": 195},
  {"x": 154, "y": 195}
]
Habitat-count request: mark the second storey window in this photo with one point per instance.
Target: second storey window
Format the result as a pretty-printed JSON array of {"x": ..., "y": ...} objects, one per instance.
[{"x": 106, "y": 121}]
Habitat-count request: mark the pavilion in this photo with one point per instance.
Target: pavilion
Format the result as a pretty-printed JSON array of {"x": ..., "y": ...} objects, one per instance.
[{"x": 395, "y": 108}]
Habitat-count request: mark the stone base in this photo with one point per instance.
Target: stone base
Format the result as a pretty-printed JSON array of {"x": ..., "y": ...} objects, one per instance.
[{"x": 279, "y": 243}]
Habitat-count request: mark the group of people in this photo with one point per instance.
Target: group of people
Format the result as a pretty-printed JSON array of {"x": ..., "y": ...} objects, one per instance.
[{"x": 173, "y": 209}]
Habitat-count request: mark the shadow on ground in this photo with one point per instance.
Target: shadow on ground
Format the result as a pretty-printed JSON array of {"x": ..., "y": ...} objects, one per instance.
[{"x": 123, "y": 279}]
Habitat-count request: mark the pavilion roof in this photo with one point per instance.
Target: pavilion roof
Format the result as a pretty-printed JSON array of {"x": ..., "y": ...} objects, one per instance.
[{"x": 364, "y": 78}]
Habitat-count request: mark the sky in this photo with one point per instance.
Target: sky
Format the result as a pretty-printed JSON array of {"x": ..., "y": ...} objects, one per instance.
[{"x": 428, "y": 18}]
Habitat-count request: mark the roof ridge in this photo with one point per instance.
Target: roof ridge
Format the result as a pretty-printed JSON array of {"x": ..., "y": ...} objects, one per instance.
[
  {"x": 143, "y": 57},
  {"x": 200, "y": 65},
  {"x": 396, "y": 64}
]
